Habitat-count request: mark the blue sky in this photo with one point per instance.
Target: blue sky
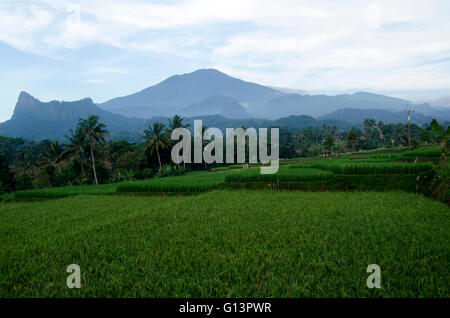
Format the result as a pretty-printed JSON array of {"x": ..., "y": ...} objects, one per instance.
[{"x": 103, "y": 49}]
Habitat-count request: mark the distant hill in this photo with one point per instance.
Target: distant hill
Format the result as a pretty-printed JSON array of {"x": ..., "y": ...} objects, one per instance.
[
  {"x": 221, "y": 100},
  {"x": 197, "y": 93},
  {"x": 441, "y": 102},
  {"x": 235, "y": 110},
  {"x": 180, "y": 91},
  {"x": 292, "y": 123},
  {"x": 205, "y": 91},
  {"x": 318, "y": 105},
  {"x": 357, "y": 116},
  {"x": 33, "y": 119},
  {"x": 217, "y": 104}
]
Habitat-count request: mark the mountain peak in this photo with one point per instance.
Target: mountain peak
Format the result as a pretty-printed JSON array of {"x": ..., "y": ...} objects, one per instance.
[
  {"x": 209, "y": 71},
  {"x": 24, "y": 97}
]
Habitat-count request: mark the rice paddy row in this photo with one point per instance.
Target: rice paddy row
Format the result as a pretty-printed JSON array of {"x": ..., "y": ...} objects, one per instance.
[
  {"x": 325, "y": 174},
  {"x": 227, "y": 244}
]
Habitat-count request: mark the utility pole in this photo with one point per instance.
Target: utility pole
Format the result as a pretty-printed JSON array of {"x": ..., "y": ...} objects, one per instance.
[{"x": 409, "y": 111}]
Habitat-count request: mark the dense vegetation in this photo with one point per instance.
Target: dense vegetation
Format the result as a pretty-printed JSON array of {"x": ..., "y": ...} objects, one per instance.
[
  {"x": 227, "y": 244},
  {"x": 89, "y": 158},
  {"x": 133, "y": 240}
]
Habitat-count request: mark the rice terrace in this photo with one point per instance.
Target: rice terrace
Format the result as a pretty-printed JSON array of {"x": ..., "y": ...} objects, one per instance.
[
  {"x": 310, "y": 230},
  {"x": 214, "y": 157}
]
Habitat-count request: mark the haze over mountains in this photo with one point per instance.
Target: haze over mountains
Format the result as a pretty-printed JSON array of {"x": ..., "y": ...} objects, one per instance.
[{"x": 217, "y": 98}]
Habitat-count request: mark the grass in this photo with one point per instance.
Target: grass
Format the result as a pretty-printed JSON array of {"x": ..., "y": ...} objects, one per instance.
[
  {"x": 227, "y": 244},
  {"x": 190, "y": 182},
  {"x": 61, "y": 192},
  {"x": 370, "y": 167},
  {"x": 427, "y": 152},
  {"x": 283, "y": 175}
]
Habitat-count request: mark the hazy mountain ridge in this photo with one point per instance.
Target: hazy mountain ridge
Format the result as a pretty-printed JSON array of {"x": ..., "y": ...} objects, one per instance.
[
  {"x": 214, "y": 105},
  {"x": 34, "y": 119},
  {"x": 189, "y": 94},
  {"x": 180, "y": 91},
  {"x": 357, "y": 116},
  {"x": 221, "y": 107}
]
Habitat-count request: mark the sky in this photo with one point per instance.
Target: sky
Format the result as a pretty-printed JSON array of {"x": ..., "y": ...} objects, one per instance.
[{"x": 61, "y": 50}]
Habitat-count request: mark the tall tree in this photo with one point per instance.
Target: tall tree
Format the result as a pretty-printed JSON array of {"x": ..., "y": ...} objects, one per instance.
[
  {"x": 176, "y": 122},
  {"x": 443, "y": 137},
  {"x": 155, "y": 139},
  {"x": 329, "y": 142},
  {"x": 96, "y": 133},
  {"x": 352, "y": 138},
  {"x": 7, "y": 180},
  {"x": 76, "y": 147},
  {"x": 54, "y": 153}
]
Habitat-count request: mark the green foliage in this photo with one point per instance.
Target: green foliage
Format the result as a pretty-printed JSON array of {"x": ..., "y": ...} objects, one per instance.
[
  {"x": 190, "y": 182},
  {"x": 227, "y": 244},
  {"x": 441, "y": 185},
  {"x": 127, "y": 175},
  {"x": 156, "y": 138},
  {"x": 329, "y": 142},
  {"x": 169, "y": 171},
  {"x": 67, "y": 176},
  {"x": 426, "y": 152},
  {"x": 24, "y": 181},
  {"x": 373, "y": 168},
  {"x": 94, "y": 133},
  {"x": 42, "y": 179},
  {"x": 61, "y": 192},
  {"x": 147, "y": 173},
  {"x": 7, "y": 180},
  {"x": 283, "y": 175}
]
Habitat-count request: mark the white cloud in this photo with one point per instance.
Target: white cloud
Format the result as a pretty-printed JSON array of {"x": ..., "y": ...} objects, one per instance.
[
  {"x": 309, "y": 44},
  {"x": 373, "y": 16}
]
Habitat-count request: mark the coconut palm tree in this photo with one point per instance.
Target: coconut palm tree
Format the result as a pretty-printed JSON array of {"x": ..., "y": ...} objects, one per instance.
[
  {"x": 176, "y": 122},
  {"x": 443, "y": 137},
  {"x": 53, "y": 153},
  {"x": 155, "y": 139},
  {"x": 76, "y": 147},
  {"x": 94, "y": 132}
]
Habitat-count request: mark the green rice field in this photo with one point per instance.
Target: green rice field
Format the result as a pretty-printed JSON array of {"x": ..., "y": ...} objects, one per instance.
[
  {"x": 227, "y": 244},
  {"x": 234, "y": 237}
]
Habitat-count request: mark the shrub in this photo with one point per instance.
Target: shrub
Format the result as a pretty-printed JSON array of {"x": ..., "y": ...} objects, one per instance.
[
  {"x": 168, "y": 171},
  {"x": 440, "y": 187},
  {"x": 7, "y": 180},
  {"x": 24, "y": 181},
  {"x": 42, "y": 179},
  {"x": 67, "y": 176}
]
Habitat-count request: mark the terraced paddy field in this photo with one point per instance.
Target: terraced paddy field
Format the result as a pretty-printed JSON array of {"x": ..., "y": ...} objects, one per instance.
[{"x": 227, "y": 244}]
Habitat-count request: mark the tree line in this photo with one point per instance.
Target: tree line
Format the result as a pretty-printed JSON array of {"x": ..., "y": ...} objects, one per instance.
[{"x": 90, "y": 157}]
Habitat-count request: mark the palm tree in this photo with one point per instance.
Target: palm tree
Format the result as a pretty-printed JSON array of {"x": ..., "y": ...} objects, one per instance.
[
  {"x": 76, "y": 147},
  {"x": 53, "y": 153},
  {"x": 155, "y": 139},
  {"x": 176, "y": 122},
  {"x": 443, "y": 136},
  {"x": 95, "y": 133}
]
